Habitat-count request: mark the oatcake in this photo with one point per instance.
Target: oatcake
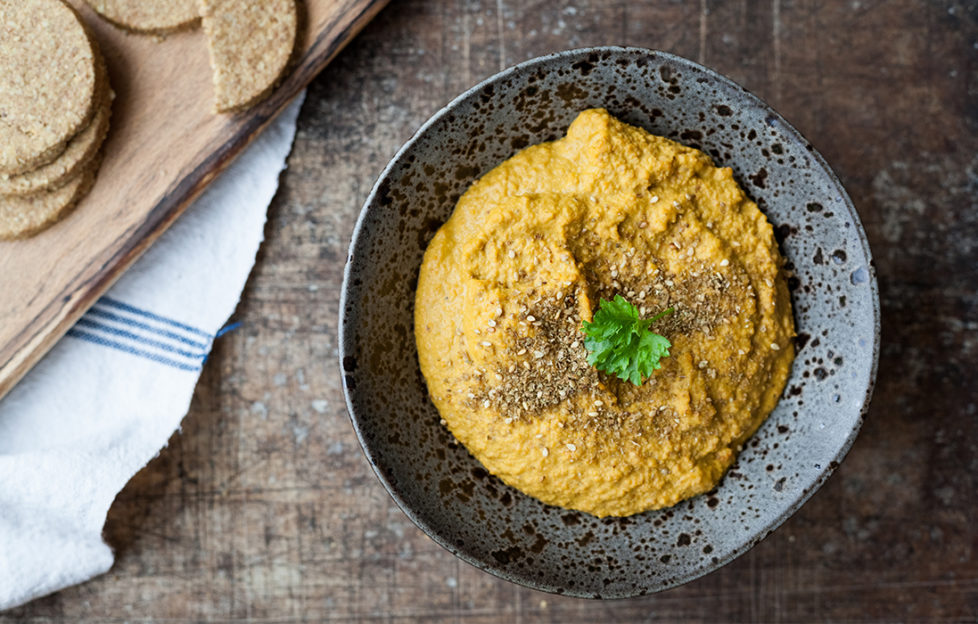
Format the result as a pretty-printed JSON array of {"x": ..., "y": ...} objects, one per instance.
[
  {"x": 250, "y": 42},
  {"x": 47, "y": 81},
  {"x": 79, "y": 152}
]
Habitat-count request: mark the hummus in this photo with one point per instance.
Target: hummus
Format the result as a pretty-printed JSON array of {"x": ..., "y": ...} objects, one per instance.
[{"x": 528, "y": 253}]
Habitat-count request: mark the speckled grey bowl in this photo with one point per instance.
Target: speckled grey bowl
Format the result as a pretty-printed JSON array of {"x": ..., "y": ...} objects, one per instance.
[{"x": 498, "y": 529}]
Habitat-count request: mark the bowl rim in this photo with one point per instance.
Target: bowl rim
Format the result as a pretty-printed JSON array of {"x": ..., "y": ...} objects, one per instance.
[{"x": 693, "y": 572}]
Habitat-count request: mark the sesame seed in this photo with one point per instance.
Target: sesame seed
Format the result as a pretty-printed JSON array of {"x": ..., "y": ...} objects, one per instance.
[
  {"x": 538, "y": 354},
  {"x": 531, "y": 318},
  {"x": 486, "y": 403},
  {"x": 492, "y": 323},
  {"x": 544, "y": 451},
  {"x": 538, "y": 436},
  {"x": 775, "y": 346},
  {"x": 599, "y": 402},
  {"x": 571, "y": 447},
  {"x": 655, "y": 198},
  {"x": 442, "y": 422},
  {"x": 486, "y": 344},
  {"x": 511, "y": 254},
  {"x": 521, "y": 352},
  {"x": 724, "y": 262}
]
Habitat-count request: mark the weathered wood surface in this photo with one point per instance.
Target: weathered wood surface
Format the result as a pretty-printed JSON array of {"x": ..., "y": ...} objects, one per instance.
[
  {"x": 263, "y": 508},
  {"x": 164, "y": 145}
]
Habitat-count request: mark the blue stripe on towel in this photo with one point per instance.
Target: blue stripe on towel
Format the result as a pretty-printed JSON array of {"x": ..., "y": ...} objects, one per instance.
[
  {"x": 83, "y": 335},
  {"x": 115, "y": 331},
  {"x": 156, "y": 317},
  {"x": 227, "y": 328},
  {"x": 128, "y": 321}
]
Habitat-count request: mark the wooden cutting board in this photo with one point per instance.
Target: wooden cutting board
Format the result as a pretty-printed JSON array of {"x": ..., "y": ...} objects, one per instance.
[{"x": 164, "y": 147}]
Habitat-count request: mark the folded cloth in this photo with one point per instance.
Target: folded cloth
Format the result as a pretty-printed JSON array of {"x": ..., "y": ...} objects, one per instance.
[{"x": 109, "y": 395}]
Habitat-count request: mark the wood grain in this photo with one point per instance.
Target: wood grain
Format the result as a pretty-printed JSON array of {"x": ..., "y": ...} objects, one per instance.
[
  {"x": 262, "y": 509},
  {"x": 164, "y": 146}
]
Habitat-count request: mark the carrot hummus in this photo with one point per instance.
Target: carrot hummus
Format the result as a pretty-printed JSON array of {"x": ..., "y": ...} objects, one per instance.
[{"x": 531, "y": 249}]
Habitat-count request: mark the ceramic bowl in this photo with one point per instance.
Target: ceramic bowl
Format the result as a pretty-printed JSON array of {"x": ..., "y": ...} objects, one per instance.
[{"x": 444, "y": 490}]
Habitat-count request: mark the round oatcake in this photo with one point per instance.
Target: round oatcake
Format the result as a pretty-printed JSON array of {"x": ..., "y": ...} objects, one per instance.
[
  {"x": 79, "y": 152},
  {"x": 47, "y": 81},
  {"x": 250, "y": 42},
  {"x": 25, "y": 216},
  {"x": 149, "y": 16}
]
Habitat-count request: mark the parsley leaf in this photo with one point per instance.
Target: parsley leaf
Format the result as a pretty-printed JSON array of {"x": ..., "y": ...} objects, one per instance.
[{"x": 620, "y": 343}]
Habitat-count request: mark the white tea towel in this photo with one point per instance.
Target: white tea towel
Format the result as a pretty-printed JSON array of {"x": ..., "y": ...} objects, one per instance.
[{"x": 108, "y": 396}]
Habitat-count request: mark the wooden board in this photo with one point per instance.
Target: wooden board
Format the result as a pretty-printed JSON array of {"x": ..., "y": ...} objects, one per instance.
[{"x": 164, "y": 147}]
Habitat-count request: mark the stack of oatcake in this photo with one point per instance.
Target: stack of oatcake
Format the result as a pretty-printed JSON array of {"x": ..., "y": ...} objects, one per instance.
[{"x": 55, "y": 104}]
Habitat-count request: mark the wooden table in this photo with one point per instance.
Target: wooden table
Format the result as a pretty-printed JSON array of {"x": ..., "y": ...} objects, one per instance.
[{"x": 263, "y": 508}]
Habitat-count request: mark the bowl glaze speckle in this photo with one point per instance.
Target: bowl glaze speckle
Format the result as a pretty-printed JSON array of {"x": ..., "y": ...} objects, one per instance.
[{"x": 496, "y": 528}]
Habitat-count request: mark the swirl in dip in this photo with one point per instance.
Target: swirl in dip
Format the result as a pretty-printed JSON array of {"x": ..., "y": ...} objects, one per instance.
[{"x": 526, "y": 256}]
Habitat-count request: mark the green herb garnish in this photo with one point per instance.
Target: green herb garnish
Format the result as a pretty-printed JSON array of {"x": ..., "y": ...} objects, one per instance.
[{"x": 620, "y": 343}]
